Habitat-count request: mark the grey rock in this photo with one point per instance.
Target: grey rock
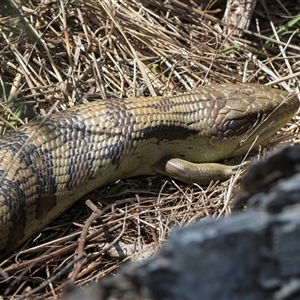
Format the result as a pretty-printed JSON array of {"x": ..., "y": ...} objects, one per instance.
[{"x": 249, "y": 255}]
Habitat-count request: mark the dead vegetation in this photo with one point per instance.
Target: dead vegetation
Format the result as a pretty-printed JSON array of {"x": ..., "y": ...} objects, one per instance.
[{"x": 58, "y": 52}]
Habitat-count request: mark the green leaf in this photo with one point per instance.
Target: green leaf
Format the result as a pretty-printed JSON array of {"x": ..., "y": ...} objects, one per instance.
[
  {"x": 13, "y": 121},
  {"x": 286, "y": 29},
  {"x": 114, "y": 192}
]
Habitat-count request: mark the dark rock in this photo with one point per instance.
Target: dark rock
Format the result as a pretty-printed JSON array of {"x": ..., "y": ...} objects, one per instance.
[{"x": 249, "y": 255}]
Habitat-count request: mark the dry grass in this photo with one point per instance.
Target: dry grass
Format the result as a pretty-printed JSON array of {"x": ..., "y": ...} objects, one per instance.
[{"x": 64, "y": 50}]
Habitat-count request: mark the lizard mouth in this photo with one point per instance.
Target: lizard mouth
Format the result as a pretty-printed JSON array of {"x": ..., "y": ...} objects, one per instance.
[{"x": 268, "y": 123}]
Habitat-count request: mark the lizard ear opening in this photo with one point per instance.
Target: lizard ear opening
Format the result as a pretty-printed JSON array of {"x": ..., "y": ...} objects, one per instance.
[{"x": 233, "y": 127}]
